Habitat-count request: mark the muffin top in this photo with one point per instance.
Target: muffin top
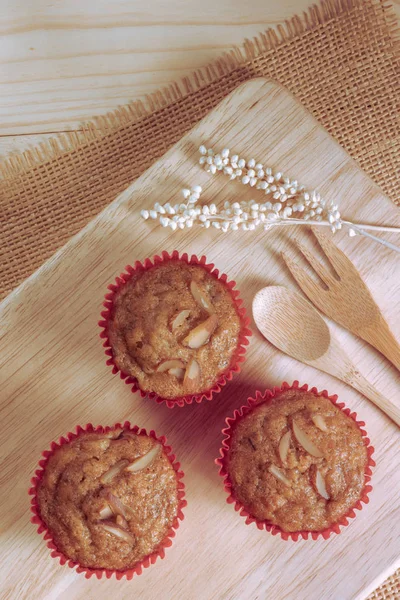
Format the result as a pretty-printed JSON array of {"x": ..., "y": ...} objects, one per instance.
[
  {"x": 174, "y": 328},
  {"x": 108, "y": 499},
  {"x": 297, "y": 461}
]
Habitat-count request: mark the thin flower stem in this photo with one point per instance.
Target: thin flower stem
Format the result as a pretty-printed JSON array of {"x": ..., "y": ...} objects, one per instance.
[
  {"x": 298, "y": 222},
  {"x": 360, "y": 229},
  {"x": 386, "y": 228},
  {"x": 355, "y": 226},
  {"x": 375, "y": 238}
]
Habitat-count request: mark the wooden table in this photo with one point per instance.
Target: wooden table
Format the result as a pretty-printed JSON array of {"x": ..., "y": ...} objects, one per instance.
[
  {"x": 53, "y": 375},
  {"x": 64, "y": 61}
]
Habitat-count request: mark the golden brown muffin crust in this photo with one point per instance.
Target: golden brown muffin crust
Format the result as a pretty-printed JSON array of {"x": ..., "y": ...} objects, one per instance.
[
  {"x": 296, "y": 504},
  {"x": 141, "y": 335},
  {"x": 71, "y": 496}
]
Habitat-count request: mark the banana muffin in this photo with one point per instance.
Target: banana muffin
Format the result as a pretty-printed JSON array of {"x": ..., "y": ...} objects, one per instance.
[
  {"x": 174, "y": 328},
  {"x": 297, "y": 461},
  {"x": 108, "y": 499}
]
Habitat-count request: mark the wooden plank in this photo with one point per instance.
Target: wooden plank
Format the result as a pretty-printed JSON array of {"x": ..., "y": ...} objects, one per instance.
[
  {"x": 66, "y": 62},
  {"x": 11, "y": 144},
  {"x": 53, "y": 374}
]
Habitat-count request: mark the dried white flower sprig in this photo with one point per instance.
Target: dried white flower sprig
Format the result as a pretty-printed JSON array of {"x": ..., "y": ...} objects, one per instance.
[
  {"x": 287, "y": 202},
  {"x": 286, "y": 198},
  {"x": 179, "y": 215}
]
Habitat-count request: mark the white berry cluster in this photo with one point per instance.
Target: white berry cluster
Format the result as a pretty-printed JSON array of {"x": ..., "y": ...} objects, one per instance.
[
  {"x": 180, "y": 215},
  {"x": 286, "y": 203},
  {"x": 286, "y": 198}
]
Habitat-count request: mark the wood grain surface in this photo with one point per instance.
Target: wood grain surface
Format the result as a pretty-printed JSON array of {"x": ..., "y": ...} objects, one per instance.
[
  {"x": 53, "y": 374},
  {"x": 65, "y": 61},
  {"x": 280, "y": 315},
  {"x": 343, "y": 296}
]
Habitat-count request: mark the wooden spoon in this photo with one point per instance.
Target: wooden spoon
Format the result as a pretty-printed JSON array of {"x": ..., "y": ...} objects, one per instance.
[{"x": 293, "y": 325}]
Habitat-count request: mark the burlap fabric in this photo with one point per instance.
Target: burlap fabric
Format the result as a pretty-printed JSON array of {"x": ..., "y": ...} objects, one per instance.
[
  {"x": 390, "y": 590},
  {"x": 341, "y": 59}
]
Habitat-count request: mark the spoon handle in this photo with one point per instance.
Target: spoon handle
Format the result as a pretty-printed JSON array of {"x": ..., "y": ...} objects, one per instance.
[
  {"x": 380, "y": 336},
  {"x": 358, "y": 382},
  {"x": 336, "y": 362}
]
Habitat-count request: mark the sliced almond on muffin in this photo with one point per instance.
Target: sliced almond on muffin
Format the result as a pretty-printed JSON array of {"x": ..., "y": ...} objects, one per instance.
[
  {"x": 179, "y": 319},
  {"x": 191, "y": 381},
  {"x": 319, "y": 422},
  {"x": 115, "y": 470},
  {"x": 201, "y": 297},
  {"x": 279, "y": 474},
  {"x": 177, "y": 372},
  {"x": 284, "y": 446},
  {"x": 144, "y": 461},
  {"x": 202, "y": 333},
  {"x": 321, "y": 485},
  {"x": 122, "y": 534},
  {"x": 305, "y": 441},
  {"x": 166, "y": 365}
]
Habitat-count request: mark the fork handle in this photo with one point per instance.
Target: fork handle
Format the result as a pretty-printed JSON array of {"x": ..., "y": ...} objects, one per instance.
[
  {"x": 380, "y": 336},
  {"x": 357, "y": 381}
]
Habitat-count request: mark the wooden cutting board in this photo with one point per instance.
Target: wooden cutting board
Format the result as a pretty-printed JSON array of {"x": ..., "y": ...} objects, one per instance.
[{"x": 53, "y": 373}]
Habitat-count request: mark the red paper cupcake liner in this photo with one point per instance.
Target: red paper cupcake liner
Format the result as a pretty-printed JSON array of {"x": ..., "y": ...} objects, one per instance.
[
  {"x": 264, "y": 524},
  {"x": 42, "y": 528},
  {"x": 237, "y": 358}
]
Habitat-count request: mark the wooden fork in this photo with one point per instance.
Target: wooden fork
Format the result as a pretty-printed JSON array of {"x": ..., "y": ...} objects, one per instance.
[{"x": 347, "y": 300}]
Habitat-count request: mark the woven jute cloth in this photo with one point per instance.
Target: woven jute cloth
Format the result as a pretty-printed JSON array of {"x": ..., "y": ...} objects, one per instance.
[{"x": 341, "y": 59}]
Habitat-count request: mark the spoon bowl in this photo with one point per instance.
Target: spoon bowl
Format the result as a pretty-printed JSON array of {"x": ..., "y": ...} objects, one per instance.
[
  {"x": 277, "y": 311},
  {"x": 295, "y": 327}
]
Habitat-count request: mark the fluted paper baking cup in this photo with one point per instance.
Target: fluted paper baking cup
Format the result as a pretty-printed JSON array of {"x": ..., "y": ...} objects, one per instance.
[
  {"x": 264, "y": 524},
  {"x": 42, "y": 528},
  {"x": 237, "y": 357}
]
